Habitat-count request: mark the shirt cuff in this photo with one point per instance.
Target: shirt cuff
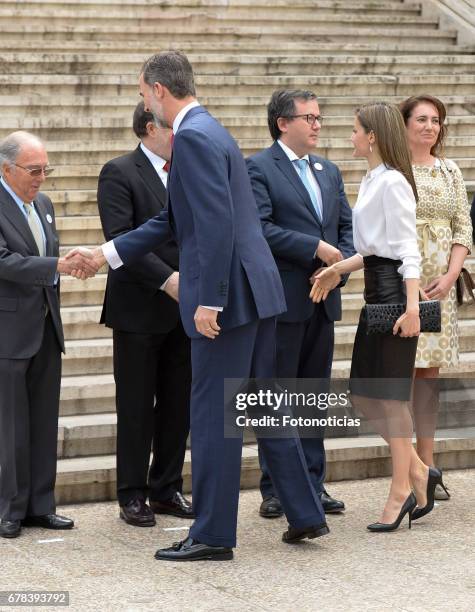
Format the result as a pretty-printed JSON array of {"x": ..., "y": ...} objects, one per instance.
[
  {"x": 110, "y": 253},
  {"x": 217, "y": 308},
  {"x": 409, "y": 271},
  {"x": 162, "y": 287}
]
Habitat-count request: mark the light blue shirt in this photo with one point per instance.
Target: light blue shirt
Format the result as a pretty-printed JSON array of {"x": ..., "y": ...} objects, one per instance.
[{"x": 19, "y": 202}]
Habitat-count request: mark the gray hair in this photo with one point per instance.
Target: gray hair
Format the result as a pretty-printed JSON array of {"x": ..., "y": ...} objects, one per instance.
[
  {"x": 11, "y": 146},
  {"x": 172, "y": 70}
]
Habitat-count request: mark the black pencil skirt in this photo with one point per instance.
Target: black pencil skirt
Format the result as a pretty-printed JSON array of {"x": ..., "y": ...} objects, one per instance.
[{"x": 382, "y": 365}]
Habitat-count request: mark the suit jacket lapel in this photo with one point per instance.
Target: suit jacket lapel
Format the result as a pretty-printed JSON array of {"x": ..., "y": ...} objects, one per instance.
[
  {"x": 285, "y": 165},
  {"x": 150, "y": 177},
  {"x": 17, "y": 219}
]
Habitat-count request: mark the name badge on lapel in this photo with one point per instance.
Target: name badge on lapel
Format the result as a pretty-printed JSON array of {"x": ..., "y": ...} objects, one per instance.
[
  {"x": 49, "y": 218},
  {"x": 318, "y": 166}
]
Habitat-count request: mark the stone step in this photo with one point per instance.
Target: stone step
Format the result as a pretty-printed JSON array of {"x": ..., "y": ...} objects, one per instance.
[
  {"x": 86, "y": 230},
  {"x": 85, "y": 107},
  {"x": 133, "y": 10},
  {"x": 82, "y": 323},
  {"x": 122, "y": 22},
  {"x": 78, "y": 152},
  {"x": 94, "y": 478},
  {"x": 358, "y": 29},
  {"x": 208, "y": 85},
  {"x": 90, "y": 394},
  {"x": 144, "y": 48},
  {"x": 80, "y": 293},
  {"x": 253, "y": 65},
  {"x": 88, "y": 357},
  {"x": 94, "y": 356},
  {"x": 85, "y": 178},
  {"x": 95, "y": 433},
  {"x": 80, "y": 230},
  {"x": 118, "y": 128}
]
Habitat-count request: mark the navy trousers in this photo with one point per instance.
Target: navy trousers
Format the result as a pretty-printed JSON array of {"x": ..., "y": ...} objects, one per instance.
[
  {"x": 304, "y": 350},
  {"x": 244, "y": 352}
]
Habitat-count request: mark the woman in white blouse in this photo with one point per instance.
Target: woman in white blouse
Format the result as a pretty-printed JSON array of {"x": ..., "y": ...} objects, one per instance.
[{"x": 384, "y": 233}]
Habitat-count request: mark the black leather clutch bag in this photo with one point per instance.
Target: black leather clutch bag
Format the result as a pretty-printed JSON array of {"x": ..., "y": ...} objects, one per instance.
[{"x": 380, "y": 318}]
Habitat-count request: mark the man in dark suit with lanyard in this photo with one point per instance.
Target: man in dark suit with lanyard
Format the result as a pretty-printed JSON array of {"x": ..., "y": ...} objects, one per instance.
[
  {"x": 306, "y": 220},
  {"x": 31, "y": 338},
  {"x": 229, "y": 294},
  {"x": 152, "y": 367}
]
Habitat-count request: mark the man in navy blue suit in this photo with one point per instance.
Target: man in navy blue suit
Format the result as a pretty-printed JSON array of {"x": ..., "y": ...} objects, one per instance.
[
  {"x": 229, "y": 295},
  {"x": 306, "y": 220}
]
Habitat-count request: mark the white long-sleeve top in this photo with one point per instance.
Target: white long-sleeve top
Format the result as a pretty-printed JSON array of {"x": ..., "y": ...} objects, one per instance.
[{"x": 384, "y": 220}]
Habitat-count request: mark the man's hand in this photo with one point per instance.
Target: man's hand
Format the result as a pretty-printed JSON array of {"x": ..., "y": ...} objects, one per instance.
[
  {"x": 328, "y": 253},
  {"x": 206, "y": 322},
  {"x": 171, "y": 286},
  {"x": 89, "y": 261},
  {"x": 78, "y": 263}
]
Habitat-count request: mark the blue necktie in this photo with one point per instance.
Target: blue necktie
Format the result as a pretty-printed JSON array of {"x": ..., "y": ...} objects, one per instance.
[{"x": 302, "y": 170}]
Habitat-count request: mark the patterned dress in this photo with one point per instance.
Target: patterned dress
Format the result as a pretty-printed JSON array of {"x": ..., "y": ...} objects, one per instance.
[{"x": 443, "y": 219}]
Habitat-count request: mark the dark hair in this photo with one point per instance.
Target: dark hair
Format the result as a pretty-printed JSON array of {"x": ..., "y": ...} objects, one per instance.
[
  {"x": 172, "y": 70},
  {"x": 140, "y": 120},
  {"x": 410, "y": 104},
  {"x": 282, "y": 104},
  {"x": 386, "y": 123}
]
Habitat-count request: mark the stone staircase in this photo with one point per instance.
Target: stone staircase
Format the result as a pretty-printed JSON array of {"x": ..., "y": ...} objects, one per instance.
[{"x": 69, "y": 71}]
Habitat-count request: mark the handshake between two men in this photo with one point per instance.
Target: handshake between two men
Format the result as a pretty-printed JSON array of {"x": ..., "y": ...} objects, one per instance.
[{"x": 83, "y": 263}]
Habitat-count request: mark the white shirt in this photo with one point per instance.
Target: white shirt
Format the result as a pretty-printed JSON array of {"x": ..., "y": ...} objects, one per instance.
[
  {"x": 181, "y": 115},
  {"x": 310, "y": 176},
  {"x": 384, "y": 219},
  {"x": 157, "y": 163}
]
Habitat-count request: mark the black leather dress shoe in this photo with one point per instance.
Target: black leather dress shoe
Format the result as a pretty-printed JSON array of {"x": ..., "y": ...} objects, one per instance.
[
  {"x": 271, "y": 508},
  {"x": 293, "y": 534},
  {"x": 10, "y": 529},
  {"x": 137, "y": 513},
  {"x": 192, "y": 550},
  {"x": 178, "y": 505},
  {"x": 330, "y": 505},
  {"x": 48, "y": 521}
]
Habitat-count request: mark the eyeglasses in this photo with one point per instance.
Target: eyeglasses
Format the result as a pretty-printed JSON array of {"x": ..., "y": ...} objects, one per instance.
[
  {"x": 35, "y": 171},
  {"x": 309, "y": 118}
]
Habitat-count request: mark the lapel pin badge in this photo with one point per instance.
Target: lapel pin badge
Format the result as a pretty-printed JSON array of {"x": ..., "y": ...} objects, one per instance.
[
  {"x": 318, "y": 166},
  {"x": 49, "y": 218}
]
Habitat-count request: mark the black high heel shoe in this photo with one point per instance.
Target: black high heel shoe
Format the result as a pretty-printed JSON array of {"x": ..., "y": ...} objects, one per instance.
[
  {"x": 407, "y": 508},
  {"x": 435, "y": 478}
]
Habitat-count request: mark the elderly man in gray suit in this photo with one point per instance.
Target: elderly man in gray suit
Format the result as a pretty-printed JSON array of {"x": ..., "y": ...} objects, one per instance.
[{"x": 31, "y": 338}]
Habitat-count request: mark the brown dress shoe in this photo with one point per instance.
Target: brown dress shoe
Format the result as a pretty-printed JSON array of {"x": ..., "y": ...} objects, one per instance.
[
  {"x": 137, "y": 513},
  {"x": 178, "y": 505}
]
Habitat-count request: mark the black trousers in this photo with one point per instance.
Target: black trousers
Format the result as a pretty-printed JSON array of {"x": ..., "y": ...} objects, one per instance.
[
  {"x": 305, "y": 350},
  {"x": 153, "y": 378},
  {"x": 29, "y": 407}
]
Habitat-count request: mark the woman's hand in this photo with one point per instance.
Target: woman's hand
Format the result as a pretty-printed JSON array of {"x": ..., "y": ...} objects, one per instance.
[
  {"x": 439, "y": 288},
  {"x": 408, "y": 324},
  {"x": 326, "y": 280}
]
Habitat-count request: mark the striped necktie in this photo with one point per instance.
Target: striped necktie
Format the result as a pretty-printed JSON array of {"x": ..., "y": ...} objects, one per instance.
[{"x": 34, "y": 225}]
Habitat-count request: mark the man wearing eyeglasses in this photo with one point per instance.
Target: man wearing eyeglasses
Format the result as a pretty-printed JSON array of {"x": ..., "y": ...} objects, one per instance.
[
  {"x": 31, "y": 338},
  {"x": 306, "y": 220}
]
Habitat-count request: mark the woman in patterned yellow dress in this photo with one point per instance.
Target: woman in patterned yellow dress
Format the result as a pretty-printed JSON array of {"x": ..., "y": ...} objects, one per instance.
[{"x": 445, "y": 238}]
